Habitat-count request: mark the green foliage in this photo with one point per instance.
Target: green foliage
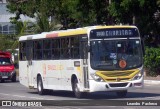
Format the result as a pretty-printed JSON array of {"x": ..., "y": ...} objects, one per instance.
[
  {"x": 69, "y": 13},
  {"x": 136, "y": 12},
  {"x": 158, "y": 2},
  {"x": 6, "y": 41},
  {"x": 76, "y": 13},
  {"x": 152, "y": 61},
  {"x": 41, "y": 10}
]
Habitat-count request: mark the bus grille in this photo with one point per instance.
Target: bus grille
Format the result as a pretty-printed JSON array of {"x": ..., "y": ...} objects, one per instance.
[
  {"x": 119, "y": 85},
  {"x": 5, "y": 73},
  {"x": 116, "y": 76}
]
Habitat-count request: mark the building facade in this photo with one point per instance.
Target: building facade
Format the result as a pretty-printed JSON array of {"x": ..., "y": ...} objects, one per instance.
[{"x": 6, "y": 27}]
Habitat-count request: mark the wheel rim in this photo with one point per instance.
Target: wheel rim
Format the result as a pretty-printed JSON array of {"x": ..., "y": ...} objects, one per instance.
[
  {"x": 39, "y": 86},
  {"x": 77, "y": 91},
  {"x": 76, "y": 88}
]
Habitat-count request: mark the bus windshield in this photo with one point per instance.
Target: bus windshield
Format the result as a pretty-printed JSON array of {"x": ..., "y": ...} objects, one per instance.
[{"x": 116, "y": 54}]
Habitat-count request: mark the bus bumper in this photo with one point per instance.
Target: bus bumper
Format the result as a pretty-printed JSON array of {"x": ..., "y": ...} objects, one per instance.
[{"x": 115, "y": 86}]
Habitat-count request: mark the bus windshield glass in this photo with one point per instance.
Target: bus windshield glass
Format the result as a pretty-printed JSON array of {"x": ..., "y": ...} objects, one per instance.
[{"x": 116, "y": 54}]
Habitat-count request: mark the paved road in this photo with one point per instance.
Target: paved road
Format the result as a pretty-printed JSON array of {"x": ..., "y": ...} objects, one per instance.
[{"x": 16, "y": 91}]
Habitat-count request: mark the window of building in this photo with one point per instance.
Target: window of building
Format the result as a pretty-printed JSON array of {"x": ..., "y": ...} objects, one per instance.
[
  {"x": 5, "y": 29},
  {"x": 12, "y": 29}
]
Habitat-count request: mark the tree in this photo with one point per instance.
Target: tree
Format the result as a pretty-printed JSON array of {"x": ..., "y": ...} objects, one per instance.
[
  {"x": 158, "y": 3},
  {"x": 41, "y": 10},
  {"x": 6, "y": 41},
  {"x": 92, "y": 12},
  {"x": 69, "y": 13},
  {"x": 21, "y": 28},
  {"x": 136, "y": 12}
]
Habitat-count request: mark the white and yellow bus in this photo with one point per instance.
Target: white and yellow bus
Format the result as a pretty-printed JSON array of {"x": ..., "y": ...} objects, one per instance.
[{"x": 89, "y": 59}]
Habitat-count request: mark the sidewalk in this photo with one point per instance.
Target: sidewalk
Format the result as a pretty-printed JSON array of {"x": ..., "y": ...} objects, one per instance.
[{"x": 152, "y": 80}]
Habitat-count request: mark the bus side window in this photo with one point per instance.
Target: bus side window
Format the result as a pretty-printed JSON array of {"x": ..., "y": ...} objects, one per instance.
[
  {"x": 47, "y": 49},
  {"x": 55, "y": 49},
  {"x": 38, "y": 49},
  {"x": 65, "y": 48},
  {"x": 75, "y": 47},
  {"x": 22, "y": 50}
]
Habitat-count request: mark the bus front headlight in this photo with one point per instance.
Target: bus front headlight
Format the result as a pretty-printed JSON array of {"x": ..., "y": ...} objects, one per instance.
[
  {"x": 97, "y": 78},
  {"x": 138, "y": 75}
]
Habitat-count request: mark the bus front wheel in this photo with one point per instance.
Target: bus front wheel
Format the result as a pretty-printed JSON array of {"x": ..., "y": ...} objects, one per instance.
[
  {"x": 40, "y": 86},
  {"x": 122, "y": 93},
  {"x": 76, "y": 89}
]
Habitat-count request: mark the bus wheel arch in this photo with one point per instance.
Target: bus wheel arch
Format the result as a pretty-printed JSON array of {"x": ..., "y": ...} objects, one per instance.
[
  {"x": 40, "y": 88},
  {"x": 73, "y": 79}
]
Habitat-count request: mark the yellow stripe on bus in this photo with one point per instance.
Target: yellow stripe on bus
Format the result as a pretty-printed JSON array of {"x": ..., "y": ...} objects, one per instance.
[
  {"x": 72, "y": 32},
  {"x": 116, "y": 26},
  {"x": 122, "y": 75}
]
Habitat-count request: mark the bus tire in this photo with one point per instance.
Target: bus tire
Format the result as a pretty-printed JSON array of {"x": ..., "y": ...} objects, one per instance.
[
  {"x": 76, "y": 90},
  {"x": 122, "y": 93},
  {"x": 40, "y": 89}
]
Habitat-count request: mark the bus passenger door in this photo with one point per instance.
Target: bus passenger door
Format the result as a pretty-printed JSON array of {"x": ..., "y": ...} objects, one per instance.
[
  {"x": 84, "y": 57},
  {"x": 29, "y": 56}
]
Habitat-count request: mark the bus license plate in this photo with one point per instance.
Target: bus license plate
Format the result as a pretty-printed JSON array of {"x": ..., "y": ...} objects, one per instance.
[{"x": 4, "y": 76}]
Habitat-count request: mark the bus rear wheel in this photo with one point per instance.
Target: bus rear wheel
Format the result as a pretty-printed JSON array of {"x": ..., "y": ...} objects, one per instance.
[
  {"x": 40, "y": 89},
  {"x": 122, "y": 93},
  {"x": 76, "y": 89}
]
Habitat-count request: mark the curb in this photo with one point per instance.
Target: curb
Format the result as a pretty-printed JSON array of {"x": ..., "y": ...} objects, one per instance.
[{"x": 151, "y": 82}]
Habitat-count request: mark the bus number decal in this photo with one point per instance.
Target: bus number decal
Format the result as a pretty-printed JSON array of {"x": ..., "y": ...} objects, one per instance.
[
  {"x": 44, "y": 69},
  {"x": 55, "y": 67}
]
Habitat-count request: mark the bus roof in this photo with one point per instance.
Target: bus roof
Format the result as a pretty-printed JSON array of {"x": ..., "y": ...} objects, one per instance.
[{"x": 73, "y": 32}]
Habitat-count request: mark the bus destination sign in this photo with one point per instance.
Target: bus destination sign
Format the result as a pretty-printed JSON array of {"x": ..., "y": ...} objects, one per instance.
[{"x": 114, "y": 33}]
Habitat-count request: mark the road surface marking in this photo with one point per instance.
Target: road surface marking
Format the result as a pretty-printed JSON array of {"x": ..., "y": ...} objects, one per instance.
[
  {"x": 4, "y": 94},
  {"x": 37, "y": 98},
  {"x": 20, "y": 96},
  {"x": 150, "y": 97}
]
